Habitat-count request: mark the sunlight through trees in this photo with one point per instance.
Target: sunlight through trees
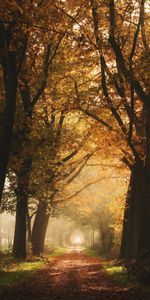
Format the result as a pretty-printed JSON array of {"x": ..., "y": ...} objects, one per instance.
[{"x": 75, "y": 128}]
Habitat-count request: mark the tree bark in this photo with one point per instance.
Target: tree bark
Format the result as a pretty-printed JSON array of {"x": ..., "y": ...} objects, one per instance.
[
  {"x": 131, "y": 225},
  {"x": 19, "y": 246},
  {"x": 144, "y": 238},
  {"x": 134, "y": 212},
  {"x": 125, "y": 223},
  {"x": 10, "y": 82},
  {"x": 0, "y": 232},
  {"x": 39, "y": 228},
  {"x": 136, "y": 227},
  {"x": 144, "y": 231},
  {"x": 29, "y": 227}
]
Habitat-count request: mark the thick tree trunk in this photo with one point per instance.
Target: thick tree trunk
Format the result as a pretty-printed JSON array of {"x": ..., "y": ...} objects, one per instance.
[
  {"x": 144, "y": 238},
  {"x": 144, "y": 231},
  {"x": 10, "y": 82},
  {"x": 134, "y": 212},
  {"x": 131, "y": 223},
  {"x": 19, "y": 246},
  {"x": 0, "y": 232},
  {"x": 39, "y": 228}
]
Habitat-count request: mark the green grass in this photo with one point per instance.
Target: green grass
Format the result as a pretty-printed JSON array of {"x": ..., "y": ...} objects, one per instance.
[
  {"x": 118, "y": 273},
  {"x": 91, "y": 252},
  {"x": 13, "y": 272},
  {"x": 18, "y": 272},
  {"x": 58, "y": 251}
]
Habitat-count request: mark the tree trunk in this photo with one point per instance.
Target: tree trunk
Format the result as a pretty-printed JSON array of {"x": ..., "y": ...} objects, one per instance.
[
  {"x": 136, "y": 228},
  {"x": 144, "y": 234},
  {"x": 131, "y": 223},
  {"x": 125, "y": 224},
  {"x": 10, "y": 82},
  {"x": 0, "y": 231},
  {"x": 29, "y": 228},
  {"x": 134, "y": 212},
  {"x": 39, "y": 228},
  {"x": 93, "y": 236},
  {"x": 60, "y": 238},
  {"x": 19, "y": 246}
]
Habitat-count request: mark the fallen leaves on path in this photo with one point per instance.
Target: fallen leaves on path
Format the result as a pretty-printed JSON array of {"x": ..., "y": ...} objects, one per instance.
[{"x": 70, "y": 277}]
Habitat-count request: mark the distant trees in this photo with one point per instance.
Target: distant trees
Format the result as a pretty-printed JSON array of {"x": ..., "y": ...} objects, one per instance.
[{"x": 60, "y": 171}]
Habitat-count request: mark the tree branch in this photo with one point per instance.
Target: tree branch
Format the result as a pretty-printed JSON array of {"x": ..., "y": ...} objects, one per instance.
[
  {"x": 90, "y": 114},
  {"x": 83, "y": 188},
  {"x": 128, "y": 76},
  {"x": 80, "y": 168},
  {"x": 47, "y": 62},
  {"x": 79, "y": 191}
]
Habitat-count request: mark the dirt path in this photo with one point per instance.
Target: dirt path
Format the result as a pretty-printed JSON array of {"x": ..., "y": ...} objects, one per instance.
[{"x": 70, "y": 277}]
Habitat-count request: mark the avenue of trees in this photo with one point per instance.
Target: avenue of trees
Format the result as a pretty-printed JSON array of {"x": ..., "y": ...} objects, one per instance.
[{"x": 75, "y": 86}]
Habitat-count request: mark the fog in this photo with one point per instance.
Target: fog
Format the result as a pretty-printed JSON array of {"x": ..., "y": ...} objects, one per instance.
[
  {"x": 7, "y": 225},
  {"x": 88, "y": 218}
]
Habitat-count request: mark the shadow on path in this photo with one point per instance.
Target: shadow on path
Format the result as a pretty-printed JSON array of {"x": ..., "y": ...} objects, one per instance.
[{"x": 73, "y": 276}]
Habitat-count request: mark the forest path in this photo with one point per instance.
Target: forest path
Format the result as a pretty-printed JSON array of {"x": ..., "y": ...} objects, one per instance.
[{"x": 69, "y": 277}]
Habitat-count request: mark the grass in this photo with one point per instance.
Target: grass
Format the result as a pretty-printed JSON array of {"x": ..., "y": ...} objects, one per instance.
[
  {"x": 118, "y": 273},
  {"x": 91, "y": 252},
  {"x": 13, "y": 271},
  {"x": 18, "y": 272},
  {"x": 58, "y": 251}
]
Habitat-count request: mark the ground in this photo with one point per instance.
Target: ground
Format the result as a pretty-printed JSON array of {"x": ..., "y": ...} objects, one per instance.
[{"x": 69, "y": 277}]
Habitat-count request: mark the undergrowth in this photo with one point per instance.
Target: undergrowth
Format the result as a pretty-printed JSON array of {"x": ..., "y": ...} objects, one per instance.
[{"x": 14, "y": 271}]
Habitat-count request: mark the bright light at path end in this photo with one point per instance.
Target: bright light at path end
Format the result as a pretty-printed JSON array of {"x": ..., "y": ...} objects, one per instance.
[{"x": 78, "y": 240}]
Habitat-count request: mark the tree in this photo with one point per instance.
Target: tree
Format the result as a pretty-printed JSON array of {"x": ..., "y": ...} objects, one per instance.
[
  {"x": 113, "y": 83},
  {"x": 128, "y": 72},
  {"x": 97, "y": 75},
  {"x": 60, "y": 171},
  {"x": 42, "y": 59},
  {"x": 124, "y": 93},
  {"x": 9, "y": 64}
]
